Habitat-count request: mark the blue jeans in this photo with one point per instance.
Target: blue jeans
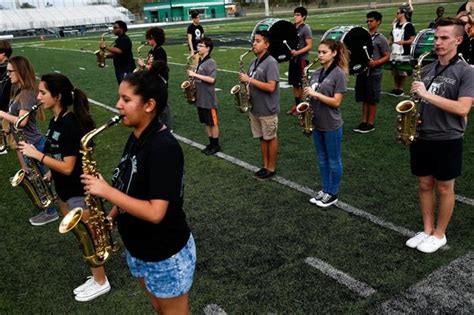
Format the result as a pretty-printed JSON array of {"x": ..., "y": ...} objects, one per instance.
[
  {"x": 39, "y": 145},
  {"x": 328, "y": 153}
]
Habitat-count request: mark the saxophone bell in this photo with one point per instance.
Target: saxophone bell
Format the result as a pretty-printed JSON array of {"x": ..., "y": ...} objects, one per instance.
[
  {"x": 189, "y": 86},
  {"x": 100, "y": 53}
]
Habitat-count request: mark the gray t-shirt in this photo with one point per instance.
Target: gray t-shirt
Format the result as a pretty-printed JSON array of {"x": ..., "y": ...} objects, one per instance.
[
  {"x": 456, "y": 81},
  {"x": 26, "y": 101},
  {"x": 264, "y": 103},
  {"x": 327, "y": 118},
  {"x": 206, "y": 93},
  {"x": 380, "y": 47},
  {"x": 304, "y": 33}
]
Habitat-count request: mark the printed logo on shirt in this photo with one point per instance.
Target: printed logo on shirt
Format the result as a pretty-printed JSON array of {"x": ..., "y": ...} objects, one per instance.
[
  {"x": 198, "y": 34},
  {"x": 56, "y": 135}
]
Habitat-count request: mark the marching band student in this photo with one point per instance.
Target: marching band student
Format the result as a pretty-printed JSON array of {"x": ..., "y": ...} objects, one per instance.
[
  {"x": 195, "y": 32},
  {"x": 401, "y": 37},
  {"x": 466, "y": 48},
  {"x": 61, "y": 155},
  {"x": 147, "y": 195},
  {"x": 263, "y": 81},
  {"x": 121, "y": 52},
  {"x": 327, "y": 88},
  {"x": 156, "y": 38},
  {"x": 206, "y": 99},
  {"x": 446, "y": 90},
  {"x": 300, "y": 55},
  {"x": 5, "y": 84},
  {"x": 369, "y": 83},
  {"x": 22, "y": 99}
]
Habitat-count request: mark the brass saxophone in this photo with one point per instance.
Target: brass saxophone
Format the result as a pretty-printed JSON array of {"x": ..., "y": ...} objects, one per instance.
[
  {"x": 37, "y": 187},
  {"x": 409, "y": 117},
  {"x": 241, "y": 90},
  {"x": 94, "y": 235},
  {"x": 147, "y": 61},
  {"x": 100, "y": 53},
  {"x": 189, "y": 86},
  {"x": 3, "y": 141},
  {"x": 304, "y": 108}
]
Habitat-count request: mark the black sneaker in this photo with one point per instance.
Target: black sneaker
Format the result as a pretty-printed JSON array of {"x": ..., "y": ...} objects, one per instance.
[
  {"x": 367, "y": 128},
  {"x": 260, "y": 172},
  {"x": 396, "y": 92},
  {"x": 266, "y": 175},
  {"x": 206, "y": 149},
  {"x": 326, "y": 201},
  {"x": 212, "y": 150},
  {"x": 361, "y": 126}
]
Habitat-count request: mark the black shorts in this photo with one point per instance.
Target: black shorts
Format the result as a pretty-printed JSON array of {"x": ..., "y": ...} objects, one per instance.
[
  {"x": 368, "y": 88},
  {"x": 295, "y": 71},
  {"x": 440, "y": 159},
  {"x": 208, "y": 116}
]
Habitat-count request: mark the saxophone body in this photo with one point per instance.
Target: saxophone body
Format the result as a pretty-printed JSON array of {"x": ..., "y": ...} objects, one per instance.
[
  {"x": 146, "y": 62},
  {"x": 37, "y": 188},
  {"x": 100, "y": 53},
  {"x": 95, "y": 234},
  {"x": 409, "y": 118},
  {"x": 304, "y": 109},
  {"x": 189, "y": 86},
  {"x": 241, "y": 90}
]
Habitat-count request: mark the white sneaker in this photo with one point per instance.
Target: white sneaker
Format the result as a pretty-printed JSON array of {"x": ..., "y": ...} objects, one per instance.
[
  {"x": 319, "y": 196},
  {"x": 83, "y": 286},
  {"x": 326, "y": 201},
  {"x": 92, "y": 291},
  {"x": 431, "y": 244},
  {"x": 416, "y": 240}
]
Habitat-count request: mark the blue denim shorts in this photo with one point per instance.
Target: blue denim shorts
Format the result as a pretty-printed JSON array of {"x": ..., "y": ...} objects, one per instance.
[{"x": 168, "y": 278}]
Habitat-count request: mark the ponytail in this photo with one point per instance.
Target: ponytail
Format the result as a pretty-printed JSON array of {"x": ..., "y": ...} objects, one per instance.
[
  {"x": 58, "y": 84},
  {"x": 342, "y": 55},
  {"x": 80, "y": 107}
]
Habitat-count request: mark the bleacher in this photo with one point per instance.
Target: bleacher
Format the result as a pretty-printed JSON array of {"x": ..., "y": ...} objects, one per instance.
[{"x": 51, "y": 18}]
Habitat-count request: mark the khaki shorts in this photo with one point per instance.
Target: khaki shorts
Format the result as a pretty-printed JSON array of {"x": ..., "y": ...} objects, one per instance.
[
  {"x": 10, "y": 139},
  {"x": 264, "y": 127}
]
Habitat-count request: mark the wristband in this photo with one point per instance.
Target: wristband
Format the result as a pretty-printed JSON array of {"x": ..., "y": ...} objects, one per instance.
[{"x": 42, "y": 158}]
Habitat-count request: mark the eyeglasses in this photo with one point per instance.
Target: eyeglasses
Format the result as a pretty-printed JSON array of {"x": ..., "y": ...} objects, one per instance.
[
  {"x": 297, "y": 14},
  {"x": 10, "y": 71},
  {"x": 201, "y": 45}
]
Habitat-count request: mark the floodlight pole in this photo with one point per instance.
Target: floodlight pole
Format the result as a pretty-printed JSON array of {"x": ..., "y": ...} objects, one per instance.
[{"x": 267, "y": 8}]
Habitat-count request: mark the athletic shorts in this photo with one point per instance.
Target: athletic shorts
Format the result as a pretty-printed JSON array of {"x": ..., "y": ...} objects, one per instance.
[
  {"x": 265, "y": 127},
  {"x": 399, "y": 73},
  {"x": 295, "y": 71},
  {"x": 440, "y": 159},
  {"x": 168, "y": 278},
  {"x": 75, "y": 202},
  {"x": 208, "y": 116},
  {"x": 368, "y": 88}
]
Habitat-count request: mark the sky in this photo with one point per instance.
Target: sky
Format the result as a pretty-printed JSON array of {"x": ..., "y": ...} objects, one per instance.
[{"x": 10, "y": 4}]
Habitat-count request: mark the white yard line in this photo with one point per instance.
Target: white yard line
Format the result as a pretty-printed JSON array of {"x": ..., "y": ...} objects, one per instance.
[
  {"x": 213, "y": 309},
  {"x": 361, "y": 288}
]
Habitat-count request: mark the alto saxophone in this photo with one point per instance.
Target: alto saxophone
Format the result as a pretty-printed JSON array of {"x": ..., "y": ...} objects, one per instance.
[
  {"x": 189, "y": 86},
  {"x": 147, "y": 61},
  {"x": 3, "y": 141},
  {"x": 100, "y": 53},
  {"x": 36, "y": 186},
  {"x": 409, "y": 117},
  {"x": 241, "y": 90},
  {"x": 95, "y": 234},
  {"x": 304, "y": 108}
]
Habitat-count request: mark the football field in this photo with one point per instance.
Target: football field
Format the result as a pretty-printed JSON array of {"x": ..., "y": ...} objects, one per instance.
[{"x": 261, "y": 246}]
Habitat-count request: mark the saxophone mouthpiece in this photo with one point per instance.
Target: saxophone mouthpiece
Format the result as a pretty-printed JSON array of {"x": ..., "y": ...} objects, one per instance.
[{"x": 114, "y": 120}]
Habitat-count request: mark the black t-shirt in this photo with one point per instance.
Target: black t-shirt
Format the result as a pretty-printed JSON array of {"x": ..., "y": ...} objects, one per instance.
[
  {"x": 5, "y": 87},
  {"x": 409, "y": 31},
  {"x": 159, "y": 54},
  {"x": 63, "y": 139},
  {"x": 151, "y": 167},
  {"x": 124, "y": 61},
  {"x": 197, "y": 32},
  {"x": 467, "y": 49}
]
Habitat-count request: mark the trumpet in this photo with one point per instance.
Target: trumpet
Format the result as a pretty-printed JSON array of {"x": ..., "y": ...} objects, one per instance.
[
  {"x": 100, "y": 53},
  {"x": 304, "y": 108}
]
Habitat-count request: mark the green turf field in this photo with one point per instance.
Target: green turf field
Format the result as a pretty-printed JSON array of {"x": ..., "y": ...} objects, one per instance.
[{"x": 257, "y": 242}]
